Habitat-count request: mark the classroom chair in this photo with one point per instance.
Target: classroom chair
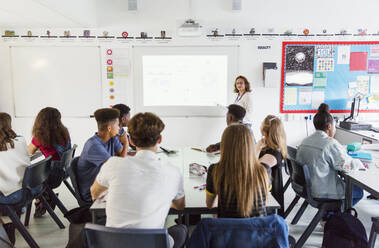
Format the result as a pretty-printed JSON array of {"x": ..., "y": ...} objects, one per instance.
[
  {"x": 100, "y": 236},
  {"x": 291, "y": 156},
  {"x": 374, "y": 232},
  {"x": 301, "y": 184},
  {"x": 267, "y": 231},
  {"x": 32, "y": 188},
  {"x": 66, "y": 159},
  {"x": 73, "y": 172}
]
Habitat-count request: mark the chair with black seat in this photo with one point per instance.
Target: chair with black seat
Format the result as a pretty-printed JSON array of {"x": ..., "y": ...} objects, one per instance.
[
  {"x": 292, "y": 151},
  {"x": 32, "y": 187},
  {"x": 301, "y": 184},
  {"x": 100, "y": 236},
  {"x": 65, "y": 159},
  {"x": 73, "y": 172},
  {"x": 374, "y": 232}
]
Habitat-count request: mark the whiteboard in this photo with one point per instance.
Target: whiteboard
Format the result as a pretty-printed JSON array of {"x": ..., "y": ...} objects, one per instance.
[{"x": 67, "y": 78}]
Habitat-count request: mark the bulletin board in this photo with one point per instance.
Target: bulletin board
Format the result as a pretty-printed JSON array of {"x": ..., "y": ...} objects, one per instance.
[{"x": 330, "y": 72}]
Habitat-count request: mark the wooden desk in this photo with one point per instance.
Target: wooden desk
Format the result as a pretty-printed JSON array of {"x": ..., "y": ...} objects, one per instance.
[{"x": 195, "y": 199}]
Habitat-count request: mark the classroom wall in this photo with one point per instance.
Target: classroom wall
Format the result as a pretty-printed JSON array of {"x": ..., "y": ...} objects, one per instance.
[{"x": 154, "y": 16}]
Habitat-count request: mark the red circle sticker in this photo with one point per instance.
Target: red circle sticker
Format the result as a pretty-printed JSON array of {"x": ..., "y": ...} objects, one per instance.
[
  {"x": 124, "y": 34},
  {"x": 109, "y": 51},
  {"x": 109, "y": 62}
]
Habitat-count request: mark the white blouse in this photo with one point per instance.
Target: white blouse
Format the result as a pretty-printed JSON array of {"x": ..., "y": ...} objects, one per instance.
[
  {"x": 13, "y": 163},
  {"x": 246, "y": 101}
]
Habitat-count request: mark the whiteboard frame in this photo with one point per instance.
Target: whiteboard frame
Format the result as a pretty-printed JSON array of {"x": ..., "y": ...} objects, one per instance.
[
  {"x": 184, "y": 111},
  {"x": 66, "y": 116}
]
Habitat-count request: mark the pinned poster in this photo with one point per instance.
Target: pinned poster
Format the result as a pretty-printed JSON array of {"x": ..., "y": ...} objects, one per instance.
[
  {"x": 352, "y": 85},
  {"x": 373, "y": 66},
  {"x": 319, "y": 80},
  {"x": 318, "y": 97},
  {"x": 305, "y": 96},
  {"x": 374, "y": 51},
  {"x": 343, "y": 55},
  {"x": 374, "y": 86},
  {"x": 363, "y": 83},
  {"x": 325, "y": 64},
  {"x": 291, "y": 96},
  {"x": 358, "y": 61}
]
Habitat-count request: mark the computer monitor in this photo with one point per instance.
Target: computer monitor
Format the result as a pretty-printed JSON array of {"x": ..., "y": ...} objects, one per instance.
[{"x": 354, "y": 111}]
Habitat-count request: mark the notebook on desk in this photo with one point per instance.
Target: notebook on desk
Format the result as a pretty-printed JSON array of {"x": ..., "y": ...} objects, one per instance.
[{"x": 363, "y": 156}]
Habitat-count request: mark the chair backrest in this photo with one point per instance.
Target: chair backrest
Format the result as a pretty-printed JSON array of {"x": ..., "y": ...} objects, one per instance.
[
  {"x": 101, "y": 236},
  {"x": 36, "y": 174},
  {"x": 268, "y": 231},
  {"x": 73, "y": 172},
  {"x": 301, "y": 180},
  {"x": 67, "y": 157},
  {"x": 291, "y": 152}
]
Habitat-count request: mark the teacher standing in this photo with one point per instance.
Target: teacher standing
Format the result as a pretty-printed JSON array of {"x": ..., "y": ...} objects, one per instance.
[{"x": 244, "y": 97}]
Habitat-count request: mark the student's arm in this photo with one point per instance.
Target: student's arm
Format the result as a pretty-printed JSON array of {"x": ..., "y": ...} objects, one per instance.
[
  {"x": 268, "y": 159},
  {"x": 340, "y": 160},
  {"x": 96, "y": 190},
  {"x": 125, "y": 144},
  {"x": 179, "y": 204},
  {"x": 32, "y": 149},
  {"x": 211, "y": 200}
]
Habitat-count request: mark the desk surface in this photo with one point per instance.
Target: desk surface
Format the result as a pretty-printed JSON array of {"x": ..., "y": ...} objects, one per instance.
[
  {"x": 194, "y": 198},
  {"x": 364, "y": 133}
]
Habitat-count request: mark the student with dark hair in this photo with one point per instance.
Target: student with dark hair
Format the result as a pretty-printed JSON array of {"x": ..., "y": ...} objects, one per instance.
[
  {"x": 51, "y": 137},
  {"x": 99, "y": 148},
  {"x": 141, "y": 189},
  {"x": 235, "y": 114},
  {"x": 325, "y": 156},
  {"x": 124, "y": 116}
]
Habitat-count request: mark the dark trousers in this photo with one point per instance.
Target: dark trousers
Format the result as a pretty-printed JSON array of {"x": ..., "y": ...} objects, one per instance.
[{"x": 178, "y": 234}]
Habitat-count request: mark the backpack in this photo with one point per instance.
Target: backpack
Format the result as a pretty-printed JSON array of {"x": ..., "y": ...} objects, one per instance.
[{"x": 344, "y": 230}]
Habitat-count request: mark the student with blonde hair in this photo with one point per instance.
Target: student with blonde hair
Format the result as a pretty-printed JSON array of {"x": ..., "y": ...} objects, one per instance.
[
  {"x": 272, "y": 150},
  {"x": 239, "y": 180}
]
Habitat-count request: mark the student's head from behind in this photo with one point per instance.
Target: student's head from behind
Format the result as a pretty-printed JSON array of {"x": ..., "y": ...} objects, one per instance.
[
  {"x": 145, "y": 130},
  {"x": 241, "y": 84},
  {"x": 6, "y": 132},
  {"x": 124, "y": 114},
  {"x": 239, "y": 172},
  {"x": 48, "y": 128},
  {"x": 324, "y": 121},
  {"x": 275, "y": 138},
  {"x": 236, "y": 113},
  {"x": 107, "y": 121}
]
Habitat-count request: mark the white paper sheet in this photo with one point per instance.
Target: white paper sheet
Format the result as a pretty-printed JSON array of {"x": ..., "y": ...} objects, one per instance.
[
  {"x": 343, "y": 55},
  {"x": 290, "y": 96},
  {"x": 305, "y": 96},
  {"x": 374, "y": 84},
  {"x": 363, "y": 83}
]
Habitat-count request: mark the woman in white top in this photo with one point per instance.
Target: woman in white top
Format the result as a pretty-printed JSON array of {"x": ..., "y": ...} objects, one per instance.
[
  {"x": 244, "y": 97},
  {"x": 14, "y": 157}
]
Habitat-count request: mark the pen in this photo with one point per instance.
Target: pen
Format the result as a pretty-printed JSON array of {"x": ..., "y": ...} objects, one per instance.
[{"x": 196, "y": 149}]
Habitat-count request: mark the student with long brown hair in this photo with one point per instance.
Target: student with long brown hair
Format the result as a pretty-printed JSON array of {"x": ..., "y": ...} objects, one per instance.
[
  {"x": 51, "y": 137},
  {"x": 239, "y": 180},
  {"x": 49, "y": 134}
]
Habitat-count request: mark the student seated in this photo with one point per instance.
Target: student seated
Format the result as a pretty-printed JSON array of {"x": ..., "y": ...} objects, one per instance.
[
  {"x": 51, "y": 137},
  {"x": 235, "y": 114},
  {"x": 141, "y": 189},
  {"x": 272, "y": 150},
  {"x": 239, "y": 180},
  {"x": 99, "y": 148},
  {"x": 14, "y": 159},
  {"x": 123, "y": 119},
  {"x": 325, "y": 156}
]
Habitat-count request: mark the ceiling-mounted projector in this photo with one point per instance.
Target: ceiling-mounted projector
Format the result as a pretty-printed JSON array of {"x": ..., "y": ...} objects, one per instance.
[{"x": 190, "y": 28}]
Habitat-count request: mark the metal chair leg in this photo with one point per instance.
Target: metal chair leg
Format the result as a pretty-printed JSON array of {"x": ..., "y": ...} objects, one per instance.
[
  {"x": 27, "y": 214},
  {"x": 287, "y": 184},
  {"x": 70, "y": 188},
  {"x": 18, "y": 224},
  {"x": 56, "y": 200},
  {"x": 291, "y": 206},
  {"x": 51, "y": 212},
  {"x": 299, "y": 213},
  {"x": 310, "y": 228}
]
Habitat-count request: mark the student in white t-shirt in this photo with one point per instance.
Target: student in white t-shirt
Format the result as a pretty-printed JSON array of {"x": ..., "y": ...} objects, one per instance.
[
  {"x": 141, "y": 189},
  {"x": 14, "y": 157}
]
